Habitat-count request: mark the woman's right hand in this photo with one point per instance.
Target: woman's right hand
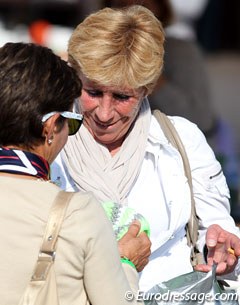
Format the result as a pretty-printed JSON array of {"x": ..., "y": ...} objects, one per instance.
[{"x": 136, "y": 247}]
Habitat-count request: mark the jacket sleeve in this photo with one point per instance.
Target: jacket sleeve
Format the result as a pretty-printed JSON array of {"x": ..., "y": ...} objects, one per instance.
[
  {"x": 104, "y": 277},
  {"x": 210, "y": 189}
]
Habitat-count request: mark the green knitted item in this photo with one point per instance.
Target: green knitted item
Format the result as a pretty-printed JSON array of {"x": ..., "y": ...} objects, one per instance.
[{"x": 122, "y": 217}]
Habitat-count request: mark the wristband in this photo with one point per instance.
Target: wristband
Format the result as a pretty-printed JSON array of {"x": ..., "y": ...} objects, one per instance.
[{"x": 126, "y": 260}]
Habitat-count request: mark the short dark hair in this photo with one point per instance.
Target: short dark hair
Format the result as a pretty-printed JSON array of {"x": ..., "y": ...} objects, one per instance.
[{"x": 33, "y": 82}]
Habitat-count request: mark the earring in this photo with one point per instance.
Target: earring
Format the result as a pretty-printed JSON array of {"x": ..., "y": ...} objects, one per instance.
[{"x": 49, "y": 141}]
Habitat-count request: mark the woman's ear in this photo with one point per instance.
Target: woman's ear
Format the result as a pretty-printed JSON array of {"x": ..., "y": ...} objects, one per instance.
[{"x": 50, "y": 128}]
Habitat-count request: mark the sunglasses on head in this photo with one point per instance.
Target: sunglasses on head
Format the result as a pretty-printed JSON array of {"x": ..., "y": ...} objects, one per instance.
[{"x": 74, "y": 120}]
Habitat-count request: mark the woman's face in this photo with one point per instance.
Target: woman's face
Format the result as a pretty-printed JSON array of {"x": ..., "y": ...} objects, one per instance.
[{"x": 109, "y": 111}]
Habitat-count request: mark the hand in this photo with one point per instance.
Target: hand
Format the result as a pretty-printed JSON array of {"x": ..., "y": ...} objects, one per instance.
[
  {"x": 135, "y": 246},
  {"x": 218, "y": 242}
]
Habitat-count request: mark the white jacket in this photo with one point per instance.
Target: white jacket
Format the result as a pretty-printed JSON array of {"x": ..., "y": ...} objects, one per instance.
[{"x": 161, "y": 194}]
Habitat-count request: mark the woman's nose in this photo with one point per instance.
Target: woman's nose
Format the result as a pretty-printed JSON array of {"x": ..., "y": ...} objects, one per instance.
[{"x": 105, "y": 108}]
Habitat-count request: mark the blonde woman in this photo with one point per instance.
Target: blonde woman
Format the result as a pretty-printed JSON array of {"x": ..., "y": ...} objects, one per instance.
[{"x": 122, "y": 155}]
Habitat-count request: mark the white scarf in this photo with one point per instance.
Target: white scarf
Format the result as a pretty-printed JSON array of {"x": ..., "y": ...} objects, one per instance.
[{"x": 92, "y": 167}]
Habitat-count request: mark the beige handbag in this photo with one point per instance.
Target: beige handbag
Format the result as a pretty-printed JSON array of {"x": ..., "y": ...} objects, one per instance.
[
  {"x": 42, "y": 288},
  {"x": 192, "y": 226}
]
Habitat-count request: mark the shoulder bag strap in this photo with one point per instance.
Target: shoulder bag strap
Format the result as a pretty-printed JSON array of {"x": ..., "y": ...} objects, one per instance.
[
  {"x": 192, "y": 226},
  {"x": 48, "y": 247}
]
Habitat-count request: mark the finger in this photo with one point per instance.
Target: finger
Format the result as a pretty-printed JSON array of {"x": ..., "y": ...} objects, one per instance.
[
  {"x": 145, "y": 241},
  {"x": 212, "y": 235},
  {"x": 139, "y": 268},
  {"x": 232, "y": 259},
  {"x": 145, "y": 245},
  {"x": 203, "y": 267},
  {"x": 142, "y": 265},
  {"x": 234, "y": 247},
  {"x": 221, "y": 268},
  {"x": 134, "y": 228},
  {"x": 215, "y": 234}
]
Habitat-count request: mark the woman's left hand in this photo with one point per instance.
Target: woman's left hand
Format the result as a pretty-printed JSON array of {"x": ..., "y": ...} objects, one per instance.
[{"x": 223, "y": 249}]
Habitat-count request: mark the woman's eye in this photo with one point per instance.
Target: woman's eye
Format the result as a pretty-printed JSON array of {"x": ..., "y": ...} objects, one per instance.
[
  {"x": 99, "y": 93},
  {"x": 121, "y": 97},
  {"x": 94, "y": 93}
]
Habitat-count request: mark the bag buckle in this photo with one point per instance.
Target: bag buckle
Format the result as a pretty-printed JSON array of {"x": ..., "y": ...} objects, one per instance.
[{"x": 47, "y": 255}]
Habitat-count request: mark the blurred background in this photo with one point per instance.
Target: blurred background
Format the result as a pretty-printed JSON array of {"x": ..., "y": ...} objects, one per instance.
[{"x": 213, "y": 24}]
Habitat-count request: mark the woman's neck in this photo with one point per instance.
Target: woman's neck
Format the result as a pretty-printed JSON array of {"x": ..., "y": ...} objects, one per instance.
[{"x": 114, "y": 147}]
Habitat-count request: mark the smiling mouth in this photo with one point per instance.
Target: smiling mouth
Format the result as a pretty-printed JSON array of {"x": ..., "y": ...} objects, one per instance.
[{"x": 102, "y": 125}]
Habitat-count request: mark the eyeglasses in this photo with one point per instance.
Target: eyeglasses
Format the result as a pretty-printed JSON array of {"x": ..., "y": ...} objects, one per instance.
[{"x": 74, "y": 120}]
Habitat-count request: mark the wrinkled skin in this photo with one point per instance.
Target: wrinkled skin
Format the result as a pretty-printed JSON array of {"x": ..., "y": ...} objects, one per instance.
[{"x": 135, "y": 247}]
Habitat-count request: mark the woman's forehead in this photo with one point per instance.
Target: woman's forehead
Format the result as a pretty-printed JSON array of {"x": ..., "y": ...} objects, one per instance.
[{"x": 109, "y": 88}]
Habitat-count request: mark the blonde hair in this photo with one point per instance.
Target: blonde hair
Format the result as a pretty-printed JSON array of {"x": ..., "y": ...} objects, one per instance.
[{"x": 119, "y": 47}]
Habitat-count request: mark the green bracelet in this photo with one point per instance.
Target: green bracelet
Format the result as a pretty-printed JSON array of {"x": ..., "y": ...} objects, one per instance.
[{"x": 126, "y": 260}]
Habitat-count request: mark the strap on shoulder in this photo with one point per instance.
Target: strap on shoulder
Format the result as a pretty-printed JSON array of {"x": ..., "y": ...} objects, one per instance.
[
  {"x": 173, "y": 137},
  {"x": 48, "y": 247}
]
